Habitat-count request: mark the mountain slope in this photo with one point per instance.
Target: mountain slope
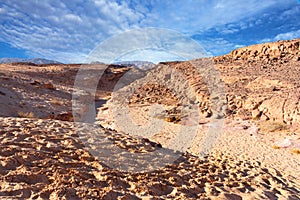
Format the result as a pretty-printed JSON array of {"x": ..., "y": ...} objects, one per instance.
[{"x": 28, "y": 60}]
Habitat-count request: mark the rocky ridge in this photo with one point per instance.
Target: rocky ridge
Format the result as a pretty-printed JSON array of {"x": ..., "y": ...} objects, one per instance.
[{"x": 273, "y": 52}]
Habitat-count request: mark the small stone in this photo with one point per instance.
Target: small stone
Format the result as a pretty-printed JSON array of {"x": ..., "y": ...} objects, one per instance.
[{"x": 256, "y": 114}]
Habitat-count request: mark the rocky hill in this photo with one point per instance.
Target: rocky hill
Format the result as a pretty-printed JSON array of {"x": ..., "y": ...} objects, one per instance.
[
  {"x": 274, "y": 52},
  {"x": 260, "y": 82}
]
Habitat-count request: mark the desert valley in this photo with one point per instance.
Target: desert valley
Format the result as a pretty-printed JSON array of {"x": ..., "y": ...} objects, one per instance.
[{"x": 255, "y": 154}]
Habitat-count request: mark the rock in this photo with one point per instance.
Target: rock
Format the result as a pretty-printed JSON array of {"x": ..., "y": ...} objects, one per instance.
[
  {"x": 130, "y": 197},
  {"x": 296, "y": 58},
  {"x": 290, "y": 107},
  {"x": 274, "y": 107},
  {"x": 112, "y": 195},
  {"x": 256, "y": 114},
  {"x": 264, "y": 117},
  {"x": 252, "y": 103},
  {"x": 284, "y": 144},
  {"x": 66, "y": 116},
  {"x": 159, "y": 189},
  {"x": 232, "y": 196},
  {"x": 35, "y": 83}
]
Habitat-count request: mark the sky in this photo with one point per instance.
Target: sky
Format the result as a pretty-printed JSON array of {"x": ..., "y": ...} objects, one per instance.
[{"x": 68, "y": 31}]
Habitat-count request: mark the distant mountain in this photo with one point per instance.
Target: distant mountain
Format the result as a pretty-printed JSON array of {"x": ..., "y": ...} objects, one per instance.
[
  {"x": 28, "y": 60},
  {"x": 138, "y": 64},
  {"x": 97, "y": 62}
]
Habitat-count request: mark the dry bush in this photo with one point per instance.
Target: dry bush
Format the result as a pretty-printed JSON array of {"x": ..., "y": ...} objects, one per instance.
[
  {"x": 26, "y": 114},
  {"x": 272, "y": 126},
  {"x": 173, "y": 119}
]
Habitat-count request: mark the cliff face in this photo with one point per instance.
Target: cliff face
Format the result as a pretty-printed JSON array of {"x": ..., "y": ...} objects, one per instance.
[{"x": 280, "y": 52}]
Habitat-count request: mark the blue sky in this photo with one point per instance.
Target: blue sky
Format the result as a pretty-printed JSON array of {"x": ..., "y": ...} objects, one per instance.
[{"x": 67, "y": 31}]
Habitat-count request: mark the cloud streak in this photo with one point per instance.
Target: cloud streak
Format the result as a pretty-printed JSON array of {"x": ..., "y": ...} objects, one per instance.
[{"x": 288, "y": 35}]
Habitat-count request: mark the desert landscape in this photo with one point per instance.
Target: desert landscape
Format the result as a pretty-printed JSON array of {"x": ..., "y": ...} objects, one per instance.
[{"x": 255, "y": 153}]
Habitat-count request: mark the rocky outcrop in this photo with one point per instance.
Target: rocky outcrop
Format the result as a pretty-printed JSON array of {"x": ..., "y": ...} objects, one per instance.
[
  {"x": 153, "y": 93},
  {"x": 259, "y": 82},
  {"x": 263, "y": 81},
  {"x": 275, "y": 52}
]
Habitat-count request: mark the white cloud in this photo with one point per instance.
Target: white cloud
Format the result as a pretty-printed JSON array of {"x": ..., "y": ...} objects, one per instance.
[
  {"x": 288, "y": 35},
  {"x": 227, "y": 30},
  {"x": 2, "y": 10},
  {"x": 46, "y": 27},
  {"x": 73, "y": 18},
  {"x": 282, "y": 36},
  {"x": 150, "y": 55},
  {"x": 238, "y": 46},
  {"x": 217, "y": 46},
  {"x": 190, "y": 16},
  {"x": 148, "y": 44},
  {"x": 290, "y": 12}
]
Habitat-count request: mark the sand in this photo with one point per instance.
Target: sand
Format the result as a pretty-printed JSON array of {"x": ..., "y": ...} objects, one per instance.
[{"x": 46, "y": 159}]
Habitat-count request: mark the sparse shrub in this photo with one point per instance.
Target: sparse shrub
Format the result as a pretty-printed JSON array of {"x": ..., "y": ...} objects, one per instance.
[
  {"x": 26, "y": 114},
  {"x": 169, "y": 119},
  {"x": 272, "y": 126},
  {"x": 173, "y": 119}
]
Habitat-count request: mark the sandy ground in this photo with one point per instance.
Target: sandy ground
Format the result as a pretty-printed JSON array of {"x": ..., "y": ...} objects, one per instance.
[
  {"x": 241, "y": 139},
  {"x": 46, "y": 159}
]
